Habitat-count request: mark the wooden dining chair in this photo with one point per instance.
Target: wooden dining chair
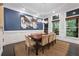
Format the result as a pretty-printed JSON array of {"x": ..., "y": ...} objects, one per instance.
[
  {"x": 29, "y": 43},
  {"x": 44, "y": 42}
]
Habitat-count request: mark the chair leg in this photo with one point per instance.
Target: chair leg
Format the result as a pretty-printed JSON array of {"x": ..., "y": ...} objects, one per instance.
[
  {"x": 25, "y": 47},
  {"x": 55, "y": 41},
  {"x": 43, "y": 49},
  {"x": 48, "y": 45},
  {"x": 52, "y": 42},
  {"x": 28, "y": 51}
]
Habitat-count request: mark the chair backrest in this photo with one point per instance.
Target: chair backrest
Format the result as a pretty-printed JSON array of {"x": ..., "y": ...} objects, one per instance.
[
  {"x": 52, "y": 37},
  {"x": 28, "y": 41},
  {"x": 44, "y": 39}
]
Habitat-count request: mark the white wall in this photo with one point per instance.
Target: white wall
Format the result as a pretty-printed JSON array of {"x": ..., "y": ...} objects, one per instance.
[
  {"x": 50, "y": 24},
  {"x": 17, "y": 36},
  {"x": 62, "y": 24}
]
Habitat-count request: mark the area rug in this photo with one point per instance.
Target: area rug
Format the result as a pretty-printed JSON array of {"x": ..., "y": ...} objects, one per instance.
[{"x": 59, "y": 49}]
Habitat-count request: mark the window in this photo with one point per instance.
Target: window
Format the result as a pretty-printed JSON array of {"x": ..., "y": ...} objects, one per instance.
[
  {"x": 55, "y": 24},
  {"x": 72, "y": 27},
  {"x": 56, "y": 27}
]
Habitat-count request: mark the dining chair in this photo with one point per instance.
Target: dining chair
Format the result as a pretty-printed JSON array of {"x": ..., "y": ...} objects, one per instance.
[
  {"x": 55, "y": 37},
  {"x": 29, "y": 43},
  {"x": 52, "y": 38},
  {"x": 44, "y": 42}
]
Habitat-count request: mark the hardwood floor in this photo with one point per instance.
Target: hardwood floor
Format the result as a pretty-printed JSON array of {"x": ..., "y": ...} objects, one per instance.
[{"x": 61, "y": 48}]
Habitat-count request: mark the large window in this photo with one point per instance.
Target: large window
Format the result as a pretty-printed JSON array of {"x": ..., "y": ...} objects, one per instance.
[
  {"x": 72, "y": 27},
  {"x": 56, "y": 27}
]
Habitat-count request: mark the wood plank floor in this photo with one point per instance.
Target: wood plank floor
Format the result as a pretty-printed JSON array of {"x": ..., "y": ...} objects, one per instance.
[{"x": 61, "y": 48}]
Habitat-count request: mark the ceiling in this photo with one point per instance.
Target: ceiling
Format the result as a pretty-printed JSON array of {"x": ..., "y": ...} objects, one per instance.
[{"x": 41, "y": 9}]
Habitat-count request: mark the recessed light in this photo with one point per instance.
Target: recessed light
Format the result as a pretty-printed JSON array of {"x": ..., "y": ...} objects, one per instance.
[{"x": 53, "y": 11}]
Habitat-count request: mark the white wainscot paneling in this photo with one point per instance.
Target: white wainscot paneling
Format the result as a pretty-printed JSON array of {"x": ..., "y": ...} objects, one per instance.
[
  {"x": 17, "y": 36},
  {"x": 1, "y": 43},
  {"x": 69, "y": 39}
]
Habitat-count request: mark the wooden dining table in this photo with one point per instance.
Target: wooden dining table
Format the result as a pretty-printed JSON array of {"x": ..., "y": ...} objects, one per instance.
[{"x": 37, "y": 38}]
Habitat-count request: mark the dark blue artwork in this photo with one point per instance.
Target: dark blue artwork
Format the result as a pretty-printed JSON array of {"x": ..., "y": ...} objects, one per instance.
[{"x": 12, "y": 21}]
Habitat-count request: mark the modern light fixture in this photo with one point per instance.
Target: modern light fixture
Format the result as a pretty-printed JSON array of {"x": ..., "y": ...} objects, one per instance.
[
  {"x": 39, "y": 20},
  {"x": 45, "y": 22}
]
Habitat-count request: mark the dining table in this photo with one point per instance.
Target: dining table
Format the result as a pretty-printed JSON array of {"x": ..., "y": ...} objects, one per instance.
[{"x": 37, "y": 38}]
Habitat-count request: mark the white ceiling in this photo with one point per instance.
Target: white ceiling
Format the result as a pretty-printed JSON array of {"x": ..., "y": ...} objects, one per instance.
[{"x": 41, "y": 9}]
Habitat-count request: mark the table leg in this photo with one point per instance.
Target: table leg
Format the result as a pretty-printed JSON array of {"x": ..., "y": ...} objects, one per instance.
[{"x": 36, "y": 47}]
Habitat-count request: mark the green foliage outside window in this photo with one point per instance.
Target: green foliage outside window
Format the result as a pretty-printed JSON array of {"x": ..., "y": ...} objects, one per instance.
[
  {"x": 56, "y": 27},
  {"x": 71, "y": 29}
]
